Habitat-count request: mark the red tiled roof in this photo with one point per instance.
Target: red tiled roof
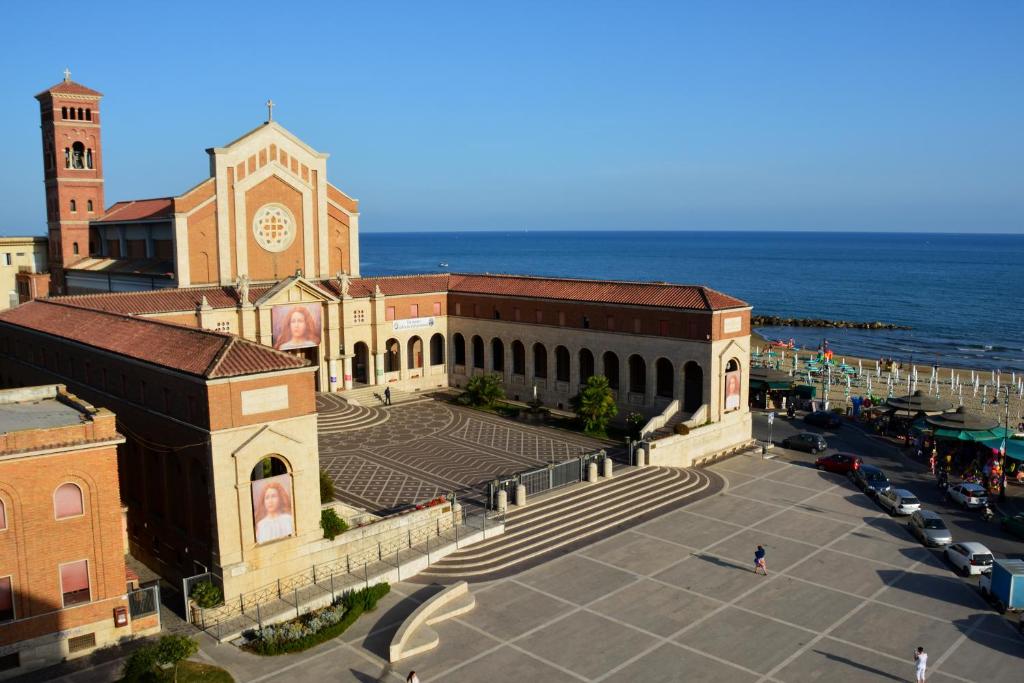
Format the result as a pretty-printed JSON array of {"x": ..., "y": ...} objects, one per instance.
[
  {"x": 596, "y": 291},
  {"x": 139, "y": 210},
  {"x": 71, "y": 88},
  {"x": 396, "y": 285},
  {"x": 203, "y": 353},
  {"x": 161, "y": 300}
]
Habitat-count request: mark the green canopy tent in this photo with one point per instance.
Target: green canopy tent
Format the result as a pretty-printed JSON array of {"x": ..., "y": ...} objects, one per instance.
[{"x": 1014, "y": 447}]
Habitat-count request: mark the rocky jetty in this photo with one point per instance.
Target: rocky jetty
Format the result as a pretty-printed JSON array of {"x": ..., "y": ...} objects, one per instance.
[{"x": 778, "y": 321}]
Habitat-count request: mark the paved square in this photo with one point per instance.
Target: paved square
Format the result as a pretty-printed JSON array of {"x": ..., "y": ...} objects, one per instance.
[{"x": 382, "y": 458}]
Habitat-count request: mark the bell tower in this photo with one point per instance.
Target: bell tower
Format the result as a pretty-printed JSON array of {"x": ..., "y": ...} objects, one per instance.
[{"x": 72, "y": 172}]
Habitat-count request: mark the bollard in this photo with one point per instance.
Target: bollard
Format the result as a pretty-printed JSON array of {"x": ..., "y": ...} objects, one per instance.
[
  {"x": 592, "y": 473},
  {"x": 641, "y": 456},
  {"x": 520, "y": 496},
  {"x": 607, "y": 468},
  {"x": 502, "y": 503}
]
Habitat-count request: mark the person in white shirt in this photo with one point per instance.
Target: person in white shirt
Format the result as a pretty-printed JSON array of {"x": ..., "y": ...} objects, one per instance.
[
  {"x": 412, "y": 678},
  {"x": 921, "y": 660}
]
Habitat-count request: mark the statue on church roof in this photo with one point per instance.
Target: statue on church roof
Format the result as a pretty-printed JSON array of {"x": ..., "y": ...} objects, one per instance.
[
  {"x": 242, "y": 286},
  {"x": 377, "y": 292},
  {"x": 343, "y": 284}
]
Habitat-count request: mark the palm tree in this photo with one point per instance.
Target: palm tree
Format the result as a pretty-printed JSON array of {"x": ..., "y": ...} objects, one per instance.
[
  {"x": 595, "y": 405},
  {"x": 485, "y": 390}
]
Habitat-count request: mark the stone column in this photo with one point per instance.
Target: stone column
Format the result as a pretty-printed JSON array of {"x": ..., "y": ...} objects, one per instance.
[
  {"x": 332, "y": 374},
  {"x": 574, "y": 371},
  {"x": 377, "y": 367},
  {"x": 652, "y": 382},
  {"x": 347, "y": 372}
]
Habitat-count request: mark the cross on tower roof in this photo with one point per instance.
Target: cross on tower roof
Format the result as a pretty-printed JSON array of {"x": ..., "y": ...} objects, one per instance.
[
  {"x": 270, "y": 110},
  {"x": 67, "y": 74}
]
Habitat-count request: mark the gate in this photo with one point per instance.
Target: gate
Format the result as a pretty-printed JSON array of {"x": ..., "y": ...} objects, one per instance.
[{"x": 544, "y": 478}]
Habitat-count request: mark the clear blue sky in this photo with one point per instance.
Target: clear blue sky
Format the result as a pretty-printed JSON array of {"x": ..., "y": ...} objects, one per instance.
[{"x": 902, "y": 116}]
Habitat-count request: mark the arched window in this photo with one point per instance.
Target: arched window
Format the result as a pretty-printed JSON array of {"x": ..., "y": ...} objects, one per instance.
[
  {"x": 81, "y": 114},
  {"x": 272, "y": 510},
  {"x": 74, "y": 248},
  {"x": 415, "y": 353},
  {"x": 586, "y": 365},
  {"x": 74, "y": 205},
  {"x": 78, "y": 155},
  {"x": 637, "y": 374},
  {"x": 611, "y": 369},
  {"x": 88, "y": 205},
  {"x": 88, "y": 158},
  {"x": 733, "y": 384},
  {"x": 63, "y": 112},
  {"x": 497, "y": 355},
  {"x": 540, "y": 361},
  {"x": 67, "y": 501},
  {"x": 88, "y": 114},
  {"x": 561, "y": 364},
  {"x": 3, "y": 516},
  {"x": 518, "y": 358},
  {"x": 437, "y": 349},
  {"x": 72, "y": 113},
  {"x": 665, "y": 378},
  {"x": 392, "y": 356},
  {"x": 459, "y": 342},
  {"x": 67, "y": 157},
  {"x": 478, "y": 352}
]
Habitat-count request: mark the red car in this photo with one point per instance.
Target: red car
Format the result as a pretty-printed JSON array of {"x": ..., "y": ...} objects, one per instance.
[{"x": 840, "y": 463}]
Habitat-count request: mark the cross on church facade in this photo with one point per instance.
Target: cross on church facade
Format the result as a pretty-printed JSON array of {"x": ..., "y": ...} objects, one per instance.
[
  {"x": 270, "y": 110},
  {"x": 67, "y": 74}
]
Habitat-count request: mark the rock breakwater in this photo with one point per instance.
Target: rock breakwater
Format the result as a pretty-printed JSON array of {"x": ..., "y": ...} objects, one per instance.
[{"x": 778, "y": 321}]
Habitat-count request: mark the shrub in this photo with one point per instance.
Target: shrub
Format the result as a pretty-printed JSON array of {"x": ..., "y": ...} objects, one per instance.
[
  {"x": 318, "y": 626},
  {"x": 207, "y": 594},
  {"x": 680, "y": 428},
  {"x": 326, "y": 488},
  {"x": 143, "y": 664},
  {"x": 331, "y": 523},
  {"x": 484, "y": 390},
  {"x": 635, "y": 421}
]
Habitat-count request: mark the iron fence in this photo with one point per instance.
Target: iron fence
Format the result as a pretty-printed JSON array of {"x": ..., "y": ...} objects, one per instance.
[
  {"x": 544, "y": 478},
  {"x": 143, "y": 602}
]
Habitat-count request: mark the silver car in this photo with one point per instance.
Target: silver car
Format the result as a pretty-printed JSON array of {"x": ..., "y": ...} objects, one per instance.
[
  {"x": 899, "y": 501},
  {"x": 929, "y": 528}
]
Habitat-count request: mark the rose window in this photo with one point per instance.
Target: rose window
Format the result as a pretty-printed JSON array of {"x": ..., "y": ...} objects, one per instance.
[{"x": 274, "y": 227}]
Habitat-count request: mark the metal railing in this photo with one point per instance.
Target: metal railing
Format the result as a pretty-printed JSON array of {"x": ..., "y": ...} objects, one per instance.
[
  {"x": 143, "y": 602},
  {"x": 544, "y": 478},
  {"x": 352, "y": 571}
]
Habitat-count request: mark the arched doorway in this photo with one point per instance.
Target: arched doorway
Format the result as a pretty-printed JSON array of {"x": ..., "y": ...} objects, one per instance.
[
  {"x": 665, "y": 384},
  {"x": 637, "y": 374},
  {"x": 611, "y": 369},
  {"x": 478, "y": 352},
  {"x": 518, "y": 358},
  {"x": 437, "y": 349},
  {"x": 693, "y": 386},
  {"x": 540, "y": 361},
  {"x": 415, "y": 353},
  {"x": 361, "y": 363},
  {"x": 497, "y": 355},
  {"x": 586, "y": 365},
  {"x": 392, "y": 355},
  {"x": 562, "y": 364},
  {"x": 459, "y": 342}
]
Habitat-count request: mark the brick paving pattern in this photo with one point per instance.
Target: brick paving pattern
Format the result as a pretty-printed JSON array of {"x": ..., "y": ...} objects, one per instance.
[{"x": 383, "y": 458}]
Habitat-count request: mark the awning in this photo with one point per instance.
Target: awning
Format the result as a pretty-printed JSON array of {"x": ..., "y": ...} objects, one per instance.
[
  {"x": 1014, "y": 447},
  {"x": 980, "y": 436}
]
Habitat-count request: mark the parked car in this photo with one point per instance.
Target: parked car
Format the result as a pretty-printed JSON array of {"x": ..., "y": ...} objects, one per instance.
[
  {"x": 929, "y": 528},
  {"x": 806, "y": 441},
  {"x": 969, "y": 558},
  {"x": 968, "y": 495},
  {"x": 870, "y": 480},
  {"x": 1014, "y": 524},
  {"x": 823, "y": 418},
  {"x": 840, "y": 463},
  {"x": 899, "y": 501}
]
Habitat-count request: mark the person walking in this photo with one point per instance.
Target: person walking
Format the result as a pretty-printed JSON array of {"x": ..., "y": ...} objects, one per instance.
[
  {"x": 412, "y": 678},
  {"x": 921, "y": 662},
  {"x": 387, "y": 396},
  {"x": 759, "y": 561}
]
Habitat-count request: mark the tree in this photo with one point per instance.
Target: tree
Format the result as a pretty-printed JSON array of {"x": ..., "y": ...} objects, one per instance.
[
  {"x": 141, "y": 667},
  {"x": 326, "y": 487},
  {"x": 485, "y": 390},
  {"x": 595, "y": 405},
  {"x": 175, "y": 649}
]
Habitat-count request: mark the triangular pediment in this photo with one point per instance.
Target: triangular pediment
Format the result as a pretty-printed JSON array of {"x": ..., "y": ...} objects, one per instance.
[
  {"x": 294, "y": 289},
  {"x": 265, "y": 134}
]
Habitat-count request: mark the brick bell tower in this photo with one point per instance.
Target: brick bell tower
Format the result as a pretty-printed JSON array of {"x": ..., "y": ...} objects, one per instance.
[{"x": 72, "y": 172}]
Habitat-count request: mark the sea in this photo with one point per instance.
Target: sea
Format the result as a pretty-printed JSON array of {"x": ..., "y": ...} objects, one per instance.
[{"x": 962, "y": 295}]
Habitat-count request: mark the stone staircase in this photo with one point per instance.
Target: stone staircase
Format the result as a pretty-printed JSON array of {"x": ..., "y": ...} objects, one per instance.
[
  {"x": 574, "y": 517},
  {"x": 335, "y": 415},
  {"x": 373, "y": 396},
  {"x": 670, "y": 426}
]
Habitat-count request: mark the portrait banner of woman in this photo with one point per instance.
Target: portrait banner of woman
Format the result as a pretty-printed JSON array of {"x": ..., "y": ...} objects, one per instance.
[
  {"x": 732, "y": 390},
  {"x": 297, "y": 326},
  {"x": 272, "y": 510}
]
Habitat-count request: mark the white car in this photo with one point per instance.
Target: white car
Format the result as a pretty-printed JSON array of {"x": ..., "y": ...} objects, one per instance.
[
  {"x": 899, "y": 501},
  {"x": 968, "y": 495},
  {"x": 969, "y": 558}
]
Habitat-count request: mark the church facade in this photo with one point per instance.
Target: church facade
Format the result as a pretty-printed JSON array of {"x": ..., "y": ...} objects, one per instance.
[{"x": 264, "y": 255}]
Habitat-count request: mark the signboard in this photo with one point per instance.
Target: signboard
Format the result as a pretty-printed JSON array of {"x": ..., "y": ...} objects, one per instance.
[
  {"x": 412, "y": 324},
  {"x": 771, "y": 418},
  {"x": 732, "y": 324}
]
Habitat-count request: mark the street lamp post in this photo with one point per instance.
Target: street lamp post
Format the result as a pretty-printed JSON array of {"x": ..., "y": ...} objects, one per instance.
[{"x": 1002, "y": 448}]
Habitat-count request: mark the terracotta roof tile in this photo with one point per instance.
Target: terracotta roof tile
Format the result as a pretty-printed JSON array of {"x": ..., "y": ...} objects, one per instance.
[
  {"x": 70, "y": 88},
  {"x": 203, "y": 353},
  {"x": 139, "y": 210},
  {"x": 161, "y": 300}
]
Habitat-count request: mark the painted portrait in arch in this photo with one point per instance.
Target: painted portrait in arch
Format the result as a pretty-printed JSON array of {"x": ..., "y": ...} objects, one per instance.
[
  {"x": 732, "y": 390},
  {"x": 272, "y": 509},
  {"x": 296, "y": 326}
]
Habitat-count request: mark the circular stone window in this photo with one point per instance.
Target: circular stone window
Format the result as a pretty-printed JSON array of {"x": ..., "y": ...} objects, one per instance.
[{"x": 273, "y": 227}]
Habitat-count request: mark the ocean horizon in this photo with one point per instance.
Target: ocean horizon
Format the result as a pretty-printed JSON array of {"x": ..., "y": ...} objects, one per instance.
[{"x": 959, "y": 292}]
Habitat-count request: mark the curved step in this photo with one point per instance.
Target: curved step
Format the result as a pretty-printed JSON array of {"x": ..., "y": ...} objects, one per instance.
[{"x": 580, "y": 527}]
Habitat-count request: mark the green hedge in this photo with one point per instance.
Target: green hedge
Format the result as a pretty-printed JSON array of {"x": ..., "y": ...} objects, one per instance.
[{"x": 355, "y": 603}]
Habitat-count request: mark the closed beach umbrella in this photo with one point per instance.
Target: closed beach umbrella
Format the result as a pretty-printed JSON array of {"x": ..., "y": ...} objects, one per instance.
[
  {"x": 919, "y": 402},
  {"x": 962, "y": 420}
]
